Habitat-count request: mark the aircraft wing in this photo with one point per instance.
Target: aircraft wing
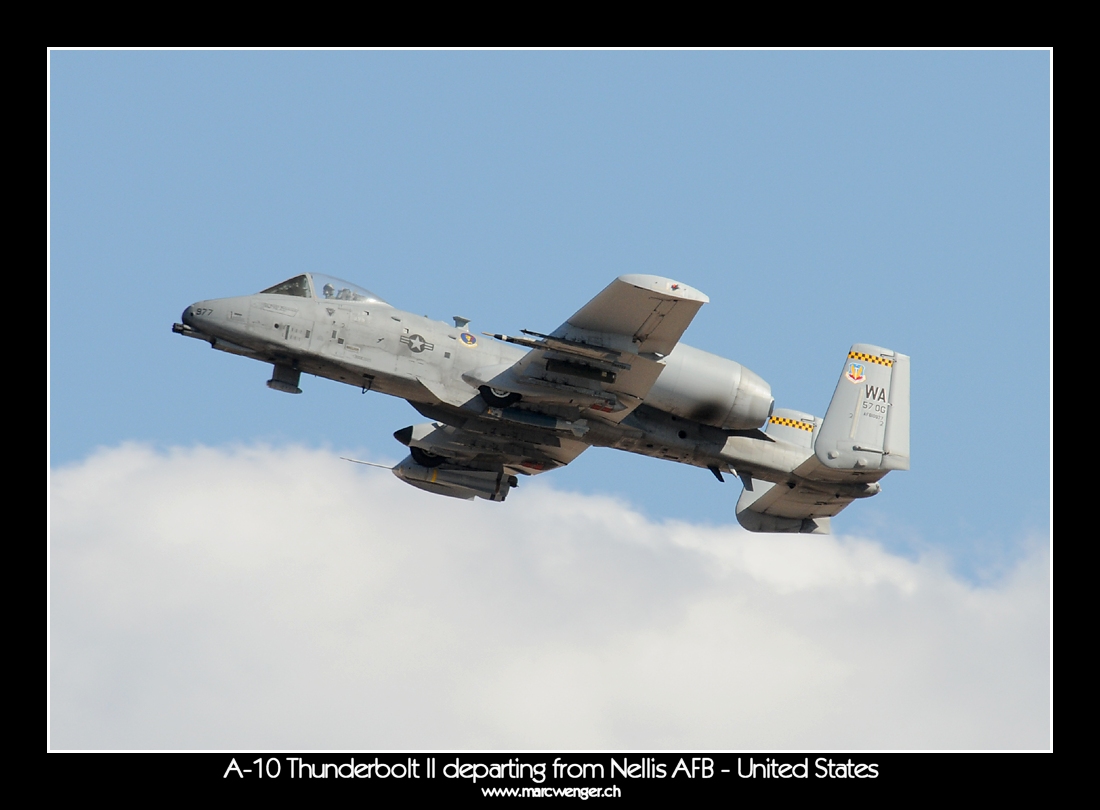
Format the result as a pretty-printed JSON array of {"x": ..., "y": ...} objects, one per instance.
[
  {"x": 606, "y": 356},
  {"x": 483, "y": 456},
  {"x": 516, "y": 441}
]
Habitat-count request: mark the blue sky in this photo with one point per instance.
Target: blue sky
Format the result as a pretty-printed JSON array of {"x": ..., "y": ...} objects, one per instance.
[{"x": 819, "y": 198}]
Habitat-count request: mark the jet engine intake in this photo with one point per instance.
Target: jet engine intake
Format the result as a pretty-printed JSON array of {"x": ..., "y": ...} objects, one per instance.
[{"x": 712, "y": 390}]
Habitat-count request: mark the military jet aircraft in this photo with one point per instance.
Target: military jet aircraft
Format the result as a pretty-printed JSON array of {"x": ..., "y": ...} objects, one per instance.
[{"x": 615, "y": 374}]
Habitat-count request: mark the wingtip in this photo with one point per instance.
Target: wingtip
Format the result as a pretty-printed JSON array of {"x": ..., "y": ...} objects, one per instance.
[{"x": 666, "y": 286}]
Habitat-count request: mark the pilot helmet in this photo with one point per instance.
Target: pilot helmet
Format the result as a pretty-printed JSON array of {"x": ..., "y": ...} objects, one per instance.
[{"x": 328, "y": 290}]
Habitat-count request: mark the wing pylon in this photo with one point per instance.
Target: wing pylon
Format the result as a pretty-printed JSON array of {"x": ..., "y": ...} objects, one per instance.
[{"x": 606, "y": 357}]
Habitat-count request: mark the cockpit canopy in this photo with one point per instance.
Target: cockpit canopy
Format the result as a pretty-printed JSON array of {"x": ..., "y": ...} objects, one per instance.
[{"x": 320, "y": 286}]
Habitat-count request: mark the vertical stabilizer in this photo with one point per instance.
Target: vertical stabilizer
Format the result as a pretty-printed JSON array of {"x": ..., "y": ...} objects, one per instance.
[{"x": 867, "y": 424}]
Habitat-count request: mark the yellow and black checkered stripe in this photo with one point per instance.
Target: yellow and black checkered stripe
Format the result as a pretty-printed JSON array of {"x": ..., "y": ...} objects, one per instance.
[
  {"x": 871, "y": 358},
  {"x": 782, "y": 420}
]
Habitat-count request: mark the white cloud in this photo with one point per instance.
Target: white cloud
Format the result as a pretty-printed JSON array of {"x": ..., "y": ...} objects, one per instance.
[{"x": 267, "y": 598}]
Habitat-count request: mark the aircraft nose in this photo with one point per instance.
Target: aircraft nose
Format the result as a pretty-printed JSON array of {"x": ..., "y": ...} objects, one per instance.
[{"x": 189, "y": 316}]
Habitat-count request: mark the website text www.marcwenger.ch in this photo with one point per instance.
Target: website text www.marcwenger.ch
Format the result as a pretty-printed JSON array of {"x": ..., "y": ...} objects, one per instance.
[{"x": 611, "y": 792}]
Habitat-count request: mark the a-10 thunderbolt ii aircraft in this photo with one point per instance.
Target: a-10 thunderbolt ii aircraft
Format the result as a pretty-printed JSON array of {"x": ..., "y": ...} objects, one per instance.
[{"x": 615, "y": 374}]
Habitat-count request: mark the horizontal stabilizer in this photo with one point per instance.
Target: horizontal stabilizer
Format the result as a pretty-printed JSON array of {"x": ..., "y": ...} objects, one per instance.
[
  {"x": 806, "y": 501},
  {"x": 799, "y": 504},
  {"x": 769, "y": 507}
]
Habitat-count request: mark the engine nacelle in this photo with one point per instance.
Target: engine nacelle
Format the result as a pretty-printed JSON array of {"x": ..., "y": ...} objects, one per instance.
[
  {"x": 456, "y": 482},
  {"x": 706, "y": 388}
]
